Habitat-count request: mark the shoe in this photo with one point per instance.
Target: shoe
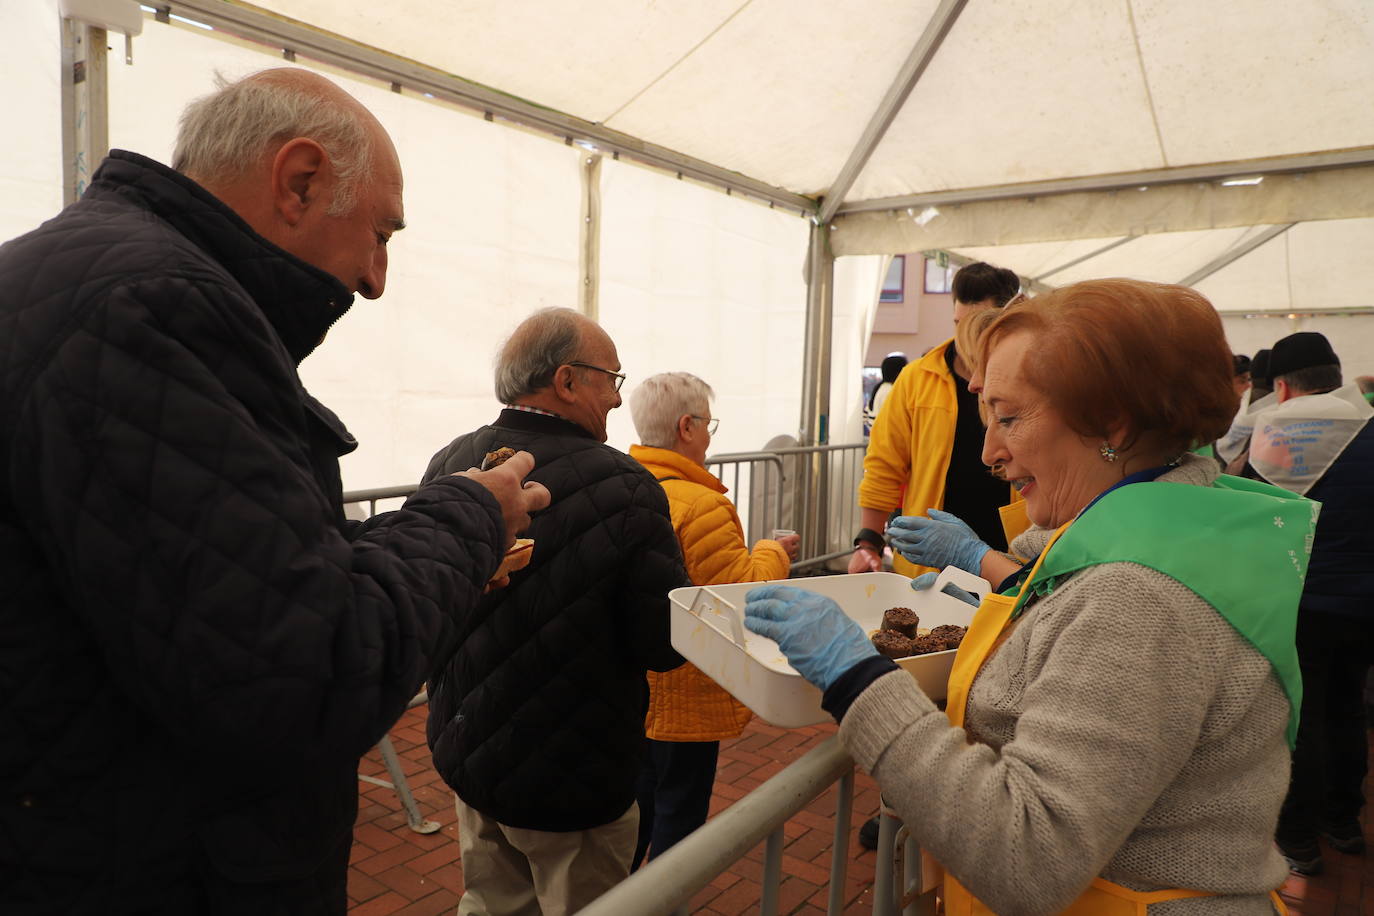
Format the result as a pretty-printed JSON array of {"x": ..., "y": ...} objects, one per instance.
[
  {"x": 1303, "y": 858},
  {"x": 1347, "y": 836},
  {"x": 868, "y": 833}
]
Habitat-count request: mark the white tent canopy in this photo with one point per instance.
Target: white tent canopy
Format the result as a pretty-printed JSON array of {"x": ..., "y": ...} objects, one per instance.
[{"x": 1065, "y": 141}]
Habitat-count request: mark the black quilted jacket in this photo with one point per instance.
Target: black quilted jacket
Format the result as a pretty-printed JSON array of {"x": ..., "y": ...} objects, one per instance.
[
  {"x": 538, "y": 719},
  {"x": 195, "y": 647}
]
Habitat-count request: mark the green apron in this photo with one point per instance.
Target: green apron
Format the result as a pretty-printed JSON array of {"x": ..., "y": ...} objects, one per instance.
[{"x": 1240, "y": 545}]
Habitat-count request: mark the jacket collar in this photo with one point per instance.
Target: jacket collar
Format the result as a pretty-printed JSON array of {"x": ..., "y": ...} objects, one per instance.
[
  {"x": 539, "y": 423},
  {"x": 662, "y": 462},
  {"x": 934, "y": 360},
  {"x": 299, "y": 300}
]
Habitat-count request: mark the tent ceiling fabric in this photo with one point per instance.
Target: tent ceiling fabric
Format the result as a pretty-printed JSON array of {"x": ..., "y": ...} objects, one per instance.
[
  {"x": 1099, "y": 87},
  {"x": 780, "y": 90},
  {"x": 740, "y": 83}
]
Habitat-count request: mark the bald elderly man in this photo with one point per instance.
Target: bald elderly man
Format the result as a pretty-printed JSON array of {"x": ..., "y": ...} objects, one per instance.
[
  {"x": 195, "y": 646},
  {"x": 537, "y": 722}
]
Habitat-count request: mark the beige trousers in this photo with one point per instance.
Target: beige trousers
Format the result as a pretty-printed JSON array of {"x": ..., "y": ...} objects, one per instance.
[{"x": 509, "y": 871}]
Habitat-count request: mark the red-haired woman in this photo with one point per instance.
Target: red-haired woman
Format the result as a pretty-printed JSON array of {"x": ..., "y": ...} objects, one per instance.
[{"x": 1119, "y": 715}]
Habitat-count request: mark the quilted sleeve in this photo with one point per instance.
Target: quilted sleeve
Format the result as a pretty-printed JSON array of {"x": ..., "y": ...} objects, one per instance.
[
  {"x": 653, "y": 567},
  {"x": 167, "y": 482},
  {"x": 713, "y": 545}
]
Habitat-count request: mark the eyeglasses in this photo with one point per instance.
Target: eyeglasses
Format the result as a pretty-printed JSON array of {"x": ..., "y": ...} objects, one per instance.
[
  {"x": 711, "y": 422},
  {"x": 618, "y": 376}
]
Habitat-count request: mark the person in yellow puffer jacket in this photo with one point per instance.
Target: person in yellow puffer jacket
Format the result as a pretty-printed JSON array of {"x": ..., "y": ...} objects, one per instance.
[
  {"x": 924, "y": 451},
  {"x": 688, "y": 713}
]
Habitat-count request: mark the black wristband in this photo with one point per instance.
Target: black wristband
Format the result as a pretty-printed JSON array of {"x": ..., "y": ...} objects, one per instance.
[
  {"x": 871, "y": 538},
  {"x": 839, "y": 696}
]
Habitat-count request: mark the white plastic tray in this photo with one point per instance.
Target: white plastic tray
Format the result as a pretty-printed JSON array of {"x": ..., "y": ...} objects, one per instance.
[{"x": 708, "y": 629}]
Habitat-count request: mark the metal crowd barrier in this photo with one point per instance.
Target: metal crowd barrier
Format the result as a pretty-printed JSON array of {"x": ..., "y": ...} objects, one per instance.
[
  {"x": 812, "y": 490},
  {"x": 780, "y": 488}
]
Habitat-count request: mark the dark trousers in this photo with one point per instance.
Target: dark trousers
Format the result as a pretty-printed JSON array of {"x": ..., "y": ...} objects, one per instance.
[
  {"x": 1332, "y": 753},
  {"x": 674, "y": 792}
]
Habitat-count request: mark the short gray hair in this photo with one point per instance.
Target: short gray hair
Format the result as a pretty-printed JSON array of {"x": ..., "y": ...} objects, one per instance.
[
  {"x": 1313, "y": 379},
  {"x": 528, "y": 359},
  {"x": 224, "y": 134},
  {"x": 660, "y": 400}
]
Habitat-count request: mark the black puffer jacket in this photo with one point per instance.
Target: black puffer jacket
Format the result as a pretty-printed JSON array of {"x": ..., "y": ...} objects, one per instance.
[
  {"x": 538, "y": 719},
  {"x": 195, "y": 647},
  {"x": 1340, "y": 574}
]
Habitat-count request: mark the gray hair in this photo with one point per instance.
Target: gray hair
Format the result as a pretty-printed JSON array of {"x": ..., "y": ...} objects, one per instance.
[
  {"x": 660, "y": 400},
  {"x": 1313, "y": 379},
  {"x": 549, "y": 338},
  {"x": 224, "y": 134}
]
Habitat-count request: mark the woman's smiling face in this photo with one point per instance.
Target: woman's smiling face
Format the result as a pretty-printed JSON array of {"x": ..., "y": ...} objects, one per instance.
[{"x": 1057, "y": 470}]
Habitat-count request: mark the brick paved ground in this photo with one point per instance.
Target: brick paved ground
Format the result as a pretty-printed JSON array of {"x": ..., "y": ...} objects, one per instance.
[{"x": 396, "y": 871}]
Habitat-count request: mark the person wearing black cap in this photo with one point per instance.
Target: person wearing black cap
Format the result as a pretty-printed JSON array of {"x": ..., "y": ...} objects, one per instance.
[{"x": 1318, "y": 442}]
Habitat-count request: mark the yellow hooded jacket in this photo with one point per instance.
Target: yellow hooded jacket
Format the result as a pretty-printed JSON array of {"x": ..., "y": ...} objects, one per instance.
[
  {"x": 684, "y": 704},
  {"x": 910, "y": 445}
]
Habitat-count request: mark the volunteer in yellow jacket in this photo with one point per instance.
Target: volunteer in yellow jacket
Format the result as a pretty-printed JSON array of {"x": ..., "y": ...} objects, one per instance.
[
  {"x": 1120, "y": 712},
  {"x": 923, "y": 449},
  {"x": 688, "y": 713}
]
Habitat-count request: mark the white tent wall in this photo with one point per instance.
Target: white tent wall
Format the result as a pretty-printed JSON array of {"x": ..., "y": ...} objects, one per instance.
[
  {"x": 858, "y": 282},
  {"x": 31, "y": 156},
  {"x": 695, "y": 281}
]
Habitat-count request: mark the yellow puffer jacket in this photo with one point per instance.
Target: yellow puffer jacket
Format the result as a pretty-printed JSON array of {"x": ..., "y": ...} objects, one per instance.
[
  {"x": 684, "y": 704},
  {"x": 910, "y": 445}
]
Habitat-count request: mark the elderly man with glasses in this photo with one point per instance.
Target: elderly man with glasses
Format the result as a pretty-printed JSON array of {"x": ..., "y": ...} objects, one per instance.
[{"x": 537, "y": 722}]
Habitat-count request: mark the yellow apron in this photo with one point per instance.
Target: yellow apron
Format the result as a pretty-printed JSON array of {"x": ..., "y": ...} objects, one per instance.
[{"x": 988, "y": 630}]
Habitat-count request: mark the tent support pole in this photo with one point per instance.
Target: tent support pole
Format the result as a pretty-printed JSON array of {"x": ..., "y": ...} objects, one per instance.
[
  {"x": 589, "y": 251},
  {"x": 1122, "y": 181},
  {"x": 891, "y": 105},
  {"x": 812, "y": 494},
  {"x": 85, "y": 106},
  {"x": 1235, "y": 254},
  {"x": 1087, "y": 257}
]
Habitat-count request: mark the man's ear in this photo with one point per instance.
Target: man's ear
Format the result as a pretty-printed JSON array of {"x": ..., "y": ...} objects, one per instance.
[
  {"x": 563, "y": 384},
  {"x": 298, "y": 178},
  {"x": 684, "y": 428}
]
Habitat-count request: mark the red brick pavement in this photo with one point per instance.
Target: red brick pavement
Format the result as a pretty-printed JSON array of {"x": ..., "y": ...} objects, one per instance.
[{"x": 396, "y": 871}]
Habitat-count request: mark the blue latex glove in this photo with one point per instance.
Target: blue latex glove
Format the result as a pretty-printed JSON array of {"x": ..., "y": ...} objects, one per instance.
[
  {"x": 815, "y": 635},
  {"x": 941, "y": 540},
  {"x": 926, "y": 580}
]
